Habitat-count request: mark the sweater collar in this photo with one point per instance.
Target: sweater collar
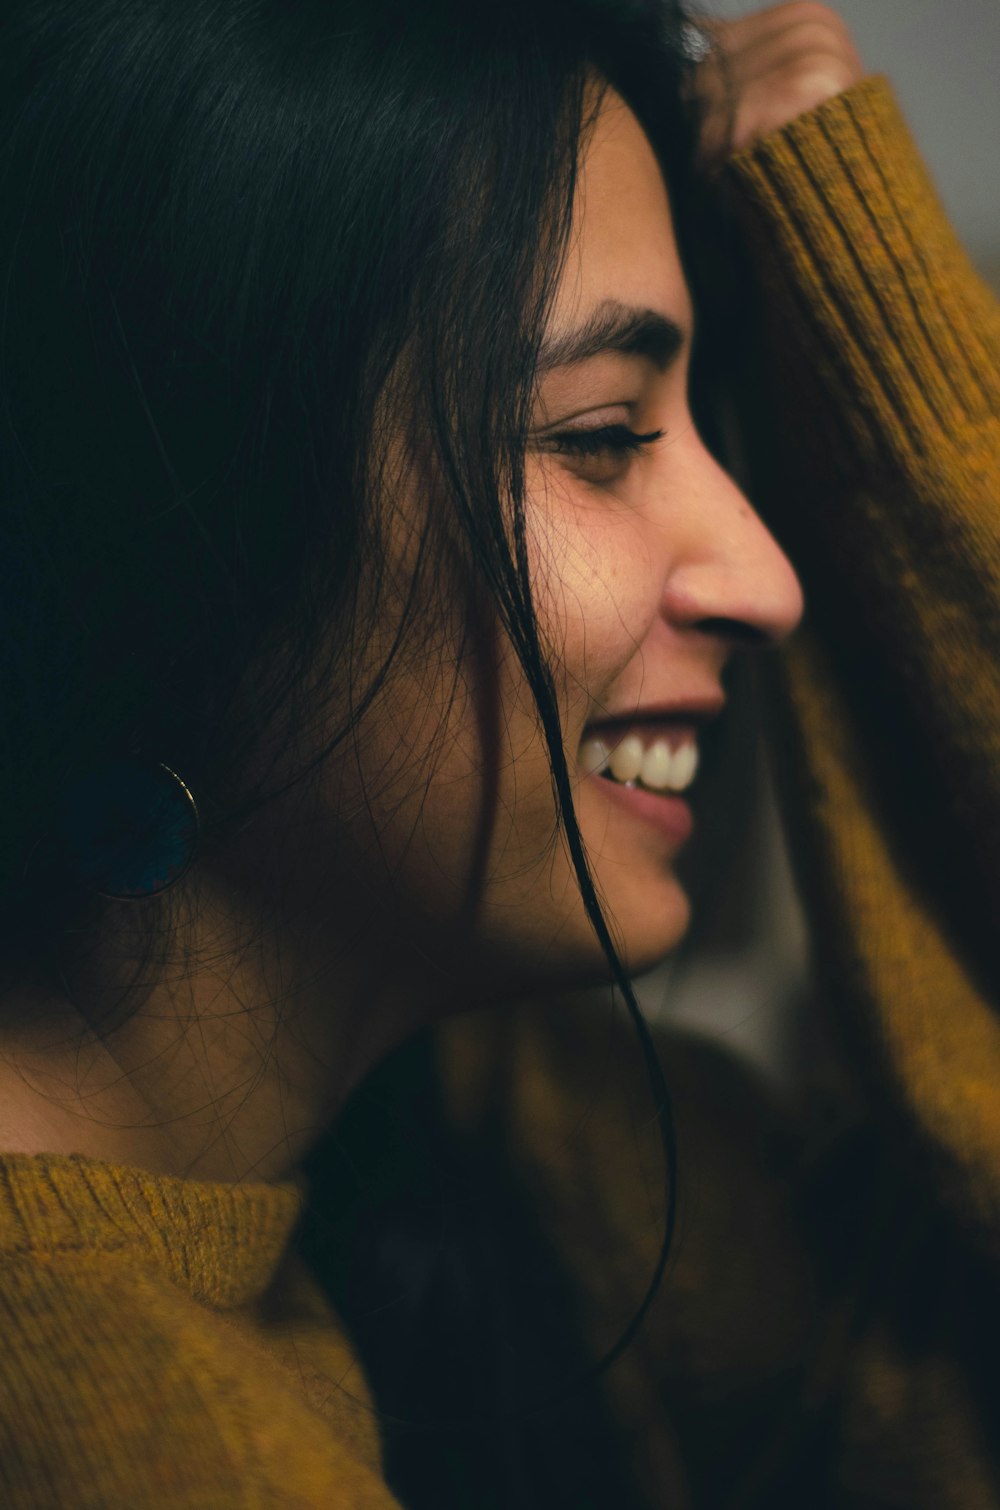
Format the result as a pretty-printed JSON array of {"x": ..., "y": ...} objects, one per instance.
[{"x": 222, "y": 1243}]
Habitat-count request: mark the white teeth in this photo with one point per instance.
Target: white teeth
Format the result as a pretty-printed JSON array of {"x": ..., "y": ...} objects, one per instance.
[
  {"x": 683, "y": 765},
  {"x": 626, "y": 758},
  {"x": 593, "y": 756},
  {"x": 630, "y": 761},
  {"x": 657, "y": 766}
]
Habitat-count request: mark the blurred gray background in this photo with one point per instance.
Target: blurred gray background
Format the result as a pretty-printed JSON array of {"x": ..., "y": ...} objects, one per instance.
[{"x": 746, "y": 981}]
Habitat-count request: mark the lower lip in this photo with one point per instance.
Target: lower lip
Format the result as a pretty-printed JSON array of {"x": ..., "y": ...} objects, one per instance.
[{"x": 670, "y": 815}]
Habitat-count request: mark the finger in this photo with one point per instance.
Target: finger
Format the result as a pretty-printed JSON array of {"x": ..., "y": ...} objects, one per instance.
[
  {"x": 757, "y": 50},
  {"x": 778, "y": 18},
  {"x": 766, "y": 70},
  {"x": 740, "y": 47},
  {"x": 759, "y": 54},
  {"x": 804, "y": 51}
]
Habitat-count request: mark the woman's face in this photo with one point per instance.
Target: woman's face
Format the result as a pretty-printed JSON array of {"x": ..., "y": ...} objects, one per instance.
[{"x": 648, "y": 565}]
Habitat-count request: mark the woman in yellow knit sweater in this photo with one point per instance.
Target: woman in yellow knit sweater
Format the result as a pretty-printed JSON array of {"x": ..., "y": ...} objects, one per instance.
[{"x": 370, "y": 597}]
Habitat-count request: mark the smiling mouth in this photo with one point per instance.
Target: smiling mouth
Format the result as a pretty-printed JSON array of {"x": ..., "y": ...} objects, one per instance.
[{"x": 660, "y": 761}]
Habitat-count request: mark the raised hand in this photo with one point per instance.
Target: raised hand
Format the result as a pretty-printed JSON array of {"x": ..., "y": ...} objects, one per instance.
[{"x": 766, "y": 69}]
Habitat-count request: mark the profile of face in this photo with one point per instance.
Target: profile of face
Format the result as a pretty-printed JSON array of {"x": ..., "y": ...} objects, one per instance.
[{"x": 648, "y": 568}]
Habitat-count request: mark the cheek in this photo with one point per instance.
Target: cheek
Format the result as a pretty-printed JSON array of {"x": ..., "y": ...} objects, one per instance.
[
  {"x": 596, "y": 577},
  {"x": 426, "y": 789}
]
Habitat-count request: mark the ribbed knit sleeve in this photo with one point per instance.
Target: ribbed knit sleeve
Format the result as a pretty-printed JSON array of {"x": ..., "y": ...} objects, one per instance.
[{"x": 879, "y": 469}]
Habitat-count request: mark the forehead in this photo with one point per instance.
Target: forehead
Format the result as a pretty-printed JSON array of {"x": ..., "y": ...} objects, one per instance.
[{"x": 622, "y": 245}]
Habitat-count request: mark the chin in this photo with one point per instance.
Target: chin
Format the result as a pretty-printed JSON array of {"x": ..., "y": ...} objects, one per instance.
[
  {"x": 565, "y": 955},
  {"x": 651, "y": 929},
  {"x": 633, "y": 840},
  {"x": 646, "y": 925}
]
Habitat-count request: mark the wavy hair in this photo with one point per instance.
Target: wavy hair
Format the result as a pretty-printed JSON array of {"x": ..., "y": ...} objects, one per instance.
[{"x": 226, "y": 224}]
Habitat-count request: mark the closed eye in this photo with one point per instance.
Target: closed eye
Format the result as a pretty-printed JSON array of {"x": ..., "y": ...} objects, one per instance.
[{"x": 606, "y": 440}]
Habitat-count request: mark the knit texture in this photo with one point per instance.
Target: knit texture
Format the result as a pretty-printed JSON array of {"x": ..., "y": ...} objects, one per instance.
[
  {"x": 885, "y": 489},
  {"x": 161, "y": 1348},
  {"x": 877, "y": 449},
  {"x": 827, "y": 1332}
]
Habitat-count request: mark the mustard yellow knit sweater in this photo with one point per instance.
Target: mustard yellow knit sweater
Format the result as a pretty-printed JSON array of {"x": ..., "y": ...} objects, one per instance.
[{"x": 834, "y": 1310}]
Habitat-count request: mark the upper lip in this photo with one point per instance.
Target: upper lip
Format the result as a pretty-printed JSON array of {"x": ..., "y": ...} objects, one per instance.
[{"x": 696, "y": 708}]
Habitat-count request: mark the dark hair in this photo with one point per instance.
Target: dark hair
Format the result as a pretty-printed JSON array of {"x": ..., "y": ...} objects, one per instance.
[{"x": 228, "y": 227}]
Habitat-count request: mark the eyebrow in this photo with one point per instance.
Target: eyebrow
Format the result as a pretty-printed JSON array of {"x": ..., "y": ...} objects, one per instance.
[{"x": 622, "y": 328}]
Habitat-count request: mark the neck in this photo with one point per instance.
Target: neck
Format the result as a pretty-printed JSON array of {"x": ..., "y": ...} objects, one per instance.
[{"x": 229, "y": 1069}]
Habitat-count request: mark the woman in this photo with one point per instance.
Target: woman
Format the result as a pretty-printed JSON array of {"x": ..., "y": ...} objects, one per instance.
[{"x": 360, "y": 549}]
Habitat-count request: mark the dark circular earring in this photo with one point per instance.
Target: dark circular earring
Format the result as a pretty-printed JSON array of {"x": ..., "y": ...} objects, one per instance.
[{"x": 132, "y": 828}]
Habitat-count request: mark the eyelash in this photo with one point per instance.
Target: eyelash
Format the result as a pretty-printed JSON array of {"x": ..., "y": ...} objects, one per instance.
[{"x": 608, "y": 440}]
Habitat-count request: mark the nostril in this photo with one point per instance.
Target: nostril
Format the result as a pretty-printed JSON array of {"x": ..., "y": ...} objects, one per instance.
[{"x": 737, "y": 631}]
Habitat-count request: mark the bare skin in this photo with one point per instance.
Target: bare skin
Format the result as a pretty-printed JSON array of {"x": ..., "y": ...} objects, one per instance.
[
  {"x": 231, "y": 1069},
  {"x": 769, "y": 68}
]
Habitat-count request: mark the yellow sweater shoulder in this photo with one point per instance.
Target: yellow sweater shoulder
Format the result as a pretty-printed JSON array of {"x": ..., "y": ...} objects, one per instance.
[{"x": 158, "y": 1351}]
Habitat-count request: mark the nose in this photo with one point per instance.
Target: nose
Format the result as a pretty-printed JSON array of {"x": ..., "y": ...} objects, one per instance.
[{"x": 728, "y": 576}]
